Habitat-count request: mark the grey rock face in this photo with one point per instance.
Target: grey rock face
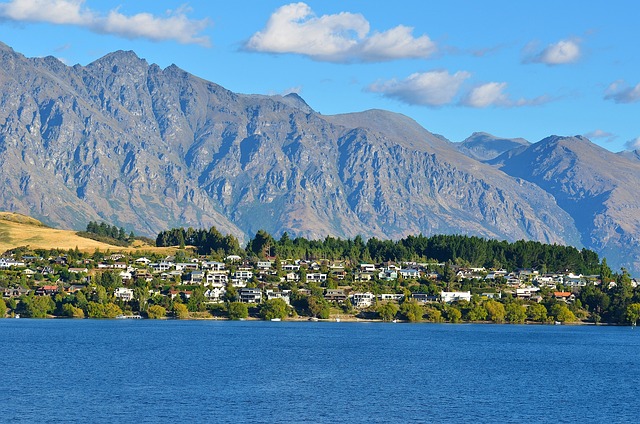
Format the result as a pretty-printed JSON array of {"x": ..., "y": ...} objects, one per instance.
[
  {"x": 599, "y": 189},
  {"x": 150, "y": 148}
]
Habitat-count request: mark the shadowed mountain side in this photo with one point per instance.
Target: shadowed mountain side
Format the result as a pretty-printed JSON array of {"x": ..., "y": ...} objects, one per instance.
[{"x": 598, "y": 188}]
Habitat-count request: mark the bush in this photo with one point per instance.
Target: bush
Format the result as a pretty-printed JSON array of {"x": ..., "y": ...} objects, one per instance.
[{"x": 156, "y": 312}]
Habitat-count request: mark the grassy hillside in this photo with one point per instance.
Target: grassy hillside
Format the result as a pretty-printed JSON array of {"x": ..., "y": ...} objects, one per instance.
[{"x": 21, "y": 230}]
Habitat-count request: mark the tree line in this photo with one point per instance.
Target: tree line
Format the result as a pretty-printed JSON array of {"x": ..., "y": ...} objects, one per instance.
[{"x": 465, "y": 250}]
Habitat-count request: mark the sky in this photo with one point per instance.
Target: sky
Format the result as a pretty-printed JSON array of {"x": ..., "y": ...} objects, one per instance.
[{"x": 522, "y": 68}]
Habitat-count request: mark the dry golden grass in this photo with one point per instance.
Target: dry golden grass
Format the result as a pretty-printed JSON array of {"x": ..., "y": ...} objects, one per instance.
[{"x": 20, "y": 230}]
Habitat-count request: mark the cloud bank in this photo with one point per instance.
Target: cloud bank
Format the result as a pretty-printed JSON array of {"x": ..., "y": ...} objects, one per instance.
[
  {"x": 174, "y": 26},
  {"x": 440, "y": 88},
  {"x": 342, "y": 37}
]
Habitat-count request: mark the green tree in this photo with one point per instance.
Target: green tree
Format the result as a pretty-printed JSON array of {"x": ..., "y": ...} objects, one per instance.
[
  {"x": 412, "y": 311},
  {"x": 453, "y": 314},
  {"x": 477, "y": 313},
  {"x": 495, "y": 310},
  {"x": 633, "y": 313},
  {"x": 68, "y": 310},
  {"x": 562, "y": 313},
  {"x": 237, "y": 310},
  {"x": 274, "y": 309},
  {"x": 537, "y": 312},
  {"x": 515, "y": 313},
  {"x": 180, "y": 310},
  {"x": 156, "y": 312},
  {"x": 3, "y": 308},
  {"x": 433, "y": 314},
  {"x": 39, "y": 306},
  {"x": 388, "y": 311}
]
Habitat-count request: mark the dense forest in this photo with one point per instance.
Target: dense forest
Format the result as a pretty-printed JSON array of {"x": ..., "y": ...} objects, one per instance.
[
  {"x": 107, "y": 233},
  {"x": 464, "y": 250}
]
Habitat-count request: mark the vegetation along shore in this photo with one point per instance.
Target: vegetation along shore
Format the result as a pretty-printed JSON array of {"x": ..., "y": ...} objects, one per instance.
[{"x": 203, "y": 274}]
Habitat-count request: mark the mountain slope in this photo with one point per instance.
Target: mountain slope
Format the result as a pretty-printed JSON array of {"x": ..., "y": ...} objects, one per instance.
[
  {"x": 598, "y": 188},
  {"x": 149, "y": 148},
  {"x": 483, "y": 146}
]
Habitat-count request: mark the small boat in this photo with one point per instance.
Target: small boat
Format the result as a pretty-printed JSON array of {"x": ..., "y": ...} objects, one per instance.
[
  {"x": 557, "y": 323},
  {"x": 394, "y": 321},
  {"x": 17, "y": 316},
  {"x": 337, "y": 319},
  {"x": 314, "y": 319},
  {"x": 276, "y": 319}
]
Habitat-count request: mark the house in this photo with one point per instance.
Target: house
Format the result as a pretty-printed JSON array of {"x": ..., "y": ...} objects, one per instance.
[
  {"x": 367, "y": 268},
  {"x": 14, "y": 292},
  {"x": 409, "y": 273},
  {"x": 196, "y": 277},
  {"x": 316, "y": 277},
  {"x": 78, "y": 270},
  {"x": 424, "y": 297},
  {"x": 216, "y": 278},
  {"x": 526, "y": 293},
  {"x": 123, "y": 293},
  {"x": 214, "y": 266},
  {"x": 162, "y": 266},
  {"x": 289, "y": 267},
  {"x": 243, "y": 275},
  {"x": 10, "y": 262},
  {"x": 263, "y": 265},
  {"x": 362, "y": 300},
  {"x": 391, "y": 296},
  {"x": 292, "y": 276},
  {"x": 46, "y": 290},
  {"x": 284, "y": 295},
  {"x": 564, "y": 296},
  {"x": 187, "y": 266},
  {"x": 448, "y": 297},
  {"x": 215, "y": 294},
  {"x": 388, "y": 274},
  {"x": 143, "y": 261},
  {"x": 233, "y": 258},
  {"x": 250, "y": 295},
  {"x": 335, "y": 295}
]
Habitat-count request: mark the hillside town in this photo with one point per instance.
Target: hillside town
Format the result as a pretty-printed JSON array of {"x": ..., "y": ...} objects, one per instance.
[{"x": 313, "y": 289}]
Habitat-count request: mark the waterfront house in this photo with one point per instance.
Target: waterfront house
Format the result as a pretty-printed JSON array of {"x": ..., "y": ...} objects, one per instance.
[
  {"x": 123, "y": 293},
  {"x": 448, "y": 297},
  {"x": 362, "y": 300},
  {"x": 250, "y": 295},
  {"x": 335, "y": 295}
]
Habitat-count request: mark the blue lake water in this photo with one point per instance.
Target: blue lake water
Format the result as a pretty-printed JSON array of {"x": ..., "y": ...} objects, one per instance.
[{"x": 88, "y": 371}]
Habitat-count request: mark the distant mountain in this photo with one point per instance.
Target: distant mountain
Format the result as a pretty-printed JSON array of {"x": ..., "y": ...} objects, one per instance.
[
  {"x": 630, "y": 154},
  {"x": 483, "y": 146},
  {"x": 599, "y": 189},
  {"x": 147, "y": 148}
]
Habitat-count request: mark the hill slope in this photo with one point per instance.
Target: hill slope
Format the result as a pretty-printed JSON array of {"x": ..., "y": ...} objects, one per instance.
[{"x": 598, "y": 188}]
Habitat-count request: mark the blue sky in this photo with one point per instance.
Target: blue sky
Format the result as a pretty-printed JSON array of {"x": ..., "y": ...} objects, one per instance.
[{"x": 514, "y": 69}]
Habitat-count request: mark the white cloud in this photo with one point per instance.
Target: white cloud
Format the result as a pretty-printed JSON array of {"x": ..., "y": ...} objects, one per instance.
[
  {"x": 493, "y": 94},
  {"x": 560, "y": 53},
  {"x": 341, "y": 37},
  {"x": 619, "y": 92},
  {"x": 433, "y": 88},
  {"x": 601, "y": 134},
  {"x": 633, "y": 144},
  {"x": 489, "y": 94},
  {"x": 175, "y": 26}
]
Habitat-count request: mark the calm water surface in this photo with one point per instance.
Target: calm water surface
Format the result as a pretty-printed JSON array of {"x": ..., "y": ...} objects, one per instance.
[{"x": 88, "y": 371}]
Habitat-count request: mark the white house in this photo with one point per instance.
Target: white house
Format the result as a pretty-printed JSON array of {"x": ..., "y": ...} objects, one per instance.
[
  {"x": 123, "y": 293},
  {"x": 448, "y": 297},
  {"x": 362, "y": 300}
]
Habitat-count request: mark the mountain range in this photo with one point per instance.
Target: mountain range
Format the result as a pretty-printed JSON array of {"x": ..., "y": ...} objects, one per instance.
[{"x": 146, "y": 148}]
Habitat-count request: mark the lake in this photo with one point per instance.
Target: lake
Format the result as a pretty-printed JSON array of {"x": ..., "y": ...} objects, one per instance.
[{"x": 88, "y": 371}]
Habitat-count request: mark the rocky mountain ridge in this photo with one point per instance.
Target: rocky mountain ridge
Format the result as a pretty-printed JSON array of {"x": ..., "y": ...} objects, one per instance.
[{"x": 149, "y": 149}]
